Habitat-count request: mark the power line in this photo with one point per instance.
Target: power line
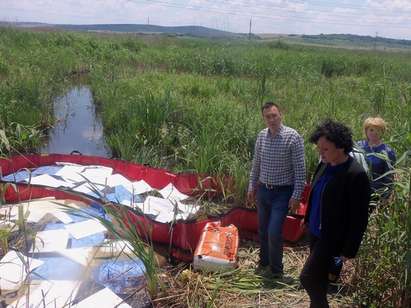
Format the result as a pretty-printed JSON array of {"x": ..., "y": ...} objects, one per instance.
[
  {"x": 296, "y": 18},
  {"x": 249, "y": 31},
  {"x": 328, "y": 3},
  {"x": 245, "y": 4},
  {"x": 292, "y": 17}
]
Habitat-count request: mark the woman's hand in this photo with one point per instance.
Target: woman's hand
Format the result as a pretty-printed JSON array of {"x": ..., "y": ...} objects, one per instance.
[{"x": 344, "y": 258}]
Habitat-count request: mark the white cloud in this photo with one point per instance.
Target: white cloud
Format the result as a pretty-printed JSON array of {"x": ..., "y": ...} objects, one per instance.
[
  {"x": 391, "y": 5},
  {"x": 391, "y": 17}
]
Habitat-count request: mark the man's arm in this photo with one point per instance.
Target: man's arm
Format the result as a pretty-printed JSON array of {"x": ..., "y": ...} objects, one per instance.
[
  {"x": 255, "y": 168},
  {"x": 298, "y": 162}
]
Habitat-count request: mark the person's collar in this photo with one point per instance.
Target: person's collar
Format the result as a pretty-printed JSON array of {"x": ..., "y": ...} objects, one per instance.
[
  {"x": 341, "y": 164},
  {"x": 372, "y": 145},
  {"x": 278, "y": 131}
]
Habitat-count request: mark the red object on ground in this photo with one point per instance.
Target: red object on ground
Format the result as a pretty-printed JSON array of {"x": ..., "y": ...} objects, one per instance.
[{"x": 183, "y": 235}]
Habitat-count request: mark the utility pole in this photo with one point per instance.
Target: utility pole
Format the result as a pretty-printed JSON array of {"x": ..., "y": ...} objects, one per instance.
[
  {"x": 375, "y": 41},
  {"x": 249, "y": 30},
  {"x": 148, "y": 20}
]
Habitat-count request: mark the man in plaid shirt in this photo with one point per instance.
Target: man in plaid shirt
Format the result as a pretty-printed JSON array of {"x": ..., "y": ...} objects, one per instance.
[{"x": 276, "y": 182}]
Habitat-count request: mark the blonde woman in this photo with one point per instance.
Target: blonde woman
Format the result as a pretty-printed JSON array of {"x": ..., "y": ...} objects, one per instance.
[{"x": 380, "y": 156}]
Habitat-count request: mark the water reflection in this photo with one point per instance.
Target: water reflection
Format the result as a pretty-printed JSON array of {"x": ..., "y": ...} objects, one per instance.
[{"x": 77, "y": 126}]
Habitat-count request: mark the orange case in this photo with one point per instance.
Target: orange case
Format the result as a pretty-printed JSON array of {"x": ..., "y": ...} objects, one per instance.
[{"x": 217, "y": 247}]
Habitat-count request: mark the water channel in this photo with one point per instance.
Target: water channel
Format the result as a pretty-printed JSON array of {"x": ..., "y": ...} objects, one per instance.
[{"x": 78, "y": 126}]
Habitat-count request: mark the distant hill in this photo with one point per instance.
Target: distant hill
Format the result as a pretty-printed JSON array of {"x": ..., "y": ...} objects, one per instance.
[
  {"x": 332, "y": 40},
  {"x": 196, "y": 31},
  {"x": 357, "y": 39},
  {"x": 180, "y": 30},
  {"x": 22, "y": 24},
  {"x": 342, "y": 40}
]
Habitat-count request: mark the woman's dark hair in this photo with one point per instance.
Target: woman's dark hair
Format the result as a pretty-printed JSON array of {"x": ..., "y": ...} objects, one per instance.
[{"x": 335, "y": 132}]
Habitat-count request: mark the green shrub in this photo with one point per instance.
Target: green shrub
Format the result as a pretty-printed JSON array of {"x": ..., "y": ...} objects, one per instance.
[
  {"x": 332, "y": 67},
  {"x": 382, "y": 274}
]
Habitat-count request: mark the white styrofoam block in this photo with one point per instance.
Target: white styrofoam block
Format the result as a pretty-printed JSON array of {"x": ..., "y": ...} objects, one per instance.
[
  {"x": 50, "y": 241},
  {"x": 104, "y": 298},
  {"x": 14, "y": 267},
  {"x": 171, "y": 192},
  {"x": 49, "y": 294},
  {"x": 85, "y": 228}
]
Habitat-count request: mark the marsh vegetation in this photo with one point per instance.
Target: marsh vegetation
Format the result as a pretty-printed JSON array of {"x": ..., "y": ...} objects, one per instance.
[{"x": 194, "y": 105}]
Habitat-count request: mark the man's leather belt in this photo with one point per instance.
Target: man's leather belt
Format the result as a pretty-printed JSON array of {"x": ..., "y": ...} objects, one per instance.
[{"x": 277, "y": 187}]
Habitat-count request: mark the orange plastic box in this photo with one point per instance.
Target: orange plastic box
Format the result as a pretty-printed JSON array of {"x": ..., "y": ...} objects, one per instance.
[{"x": 217, "y": 248}]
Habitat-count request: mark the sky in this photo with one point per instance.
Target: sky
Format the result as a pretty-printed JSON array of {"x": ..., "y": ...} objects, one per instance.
[{"x": 384, "y": 18}]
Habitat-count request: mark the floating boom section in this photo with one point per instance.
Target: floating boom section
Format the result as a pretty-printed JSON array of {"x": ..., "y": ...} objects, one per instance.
[{"x": 183, "y": 235}]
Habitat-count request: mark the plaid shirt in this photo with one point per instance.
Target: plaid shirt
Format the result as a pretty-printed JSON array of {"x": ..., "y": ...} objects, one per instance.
[{"x": 279, "y": 160}]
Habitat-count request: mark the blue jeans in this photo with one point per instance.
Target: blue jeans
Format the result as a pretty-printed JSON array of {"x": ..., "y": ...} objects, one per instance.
[{"x": 272, "y": 208}]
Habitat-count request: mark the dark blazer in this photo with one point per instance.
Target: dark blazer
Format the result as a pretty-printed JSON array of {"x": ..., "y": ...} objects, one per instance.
[{"x": 344, "y": 209}]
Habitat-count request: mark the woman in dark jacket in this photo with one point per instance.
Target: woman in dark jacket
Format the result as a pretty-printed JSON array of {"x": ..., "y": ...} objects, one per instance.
[{"x": 337, "y": 212}]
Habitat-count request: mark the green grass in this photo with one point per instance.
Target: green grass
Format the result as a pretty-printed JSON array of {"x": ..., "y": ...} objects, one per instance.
[
  {"x": 194, "y": 104},
  {"x": 382, "y": 272}
]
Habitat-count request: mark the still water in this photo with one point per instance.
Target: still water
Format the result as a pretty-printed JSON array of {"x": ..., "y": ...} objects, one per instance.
[{"x": 78, "y": 127}]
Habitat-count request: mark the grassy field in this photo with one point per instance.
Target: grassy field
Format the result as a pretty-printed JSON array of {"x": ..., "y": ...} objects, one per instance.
[
  {"x": 194, "y": 105},
  {"x": 346, "y": 41}
]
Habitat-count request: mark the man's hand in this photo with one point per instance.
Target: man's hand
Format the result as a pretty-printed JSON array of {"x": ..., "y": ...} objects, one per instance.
[
  {"x": 293, "y": 205},
  {"x": 251, "y": 198}
]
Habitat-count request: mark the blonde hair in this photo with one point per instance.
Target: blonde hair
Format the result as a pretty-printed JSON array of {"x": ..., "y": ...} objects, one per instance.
[{"x": 376, "y": 122}]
